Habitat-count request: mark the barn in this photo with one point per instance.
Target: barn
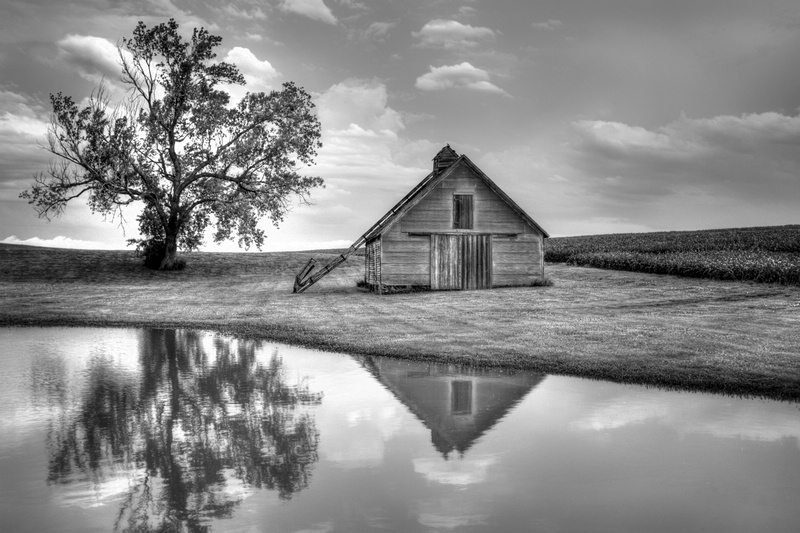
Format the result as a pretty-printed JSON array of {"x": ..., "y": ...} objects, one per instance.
[{"x": 455, "y": 230}]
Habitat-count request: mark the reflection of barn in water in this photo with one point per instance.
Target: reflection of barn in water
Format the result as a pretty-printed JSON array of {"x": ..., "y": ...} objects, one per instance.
[{"x": 457, "y": 404}]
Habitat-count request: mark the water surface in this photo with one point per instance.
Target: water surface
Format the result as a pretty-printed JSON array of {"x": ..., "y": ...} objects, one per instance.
[{"x": 165, "y": 430}]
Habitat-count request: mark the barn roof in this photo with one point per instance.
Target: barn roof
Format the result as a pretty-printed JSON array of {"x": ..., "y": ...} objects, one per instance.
[{"x": 430, "y": 182}]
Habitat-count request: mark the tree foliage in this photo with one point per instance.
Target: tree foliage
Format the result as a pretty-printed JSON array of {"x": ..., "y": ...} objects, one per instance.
[{"x": 177, "y": 146}]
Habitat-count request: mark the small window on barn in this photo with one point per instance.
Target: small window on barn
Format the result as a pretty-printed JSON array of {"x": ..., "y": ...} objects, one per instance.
[{"x": 462, "y": 211}]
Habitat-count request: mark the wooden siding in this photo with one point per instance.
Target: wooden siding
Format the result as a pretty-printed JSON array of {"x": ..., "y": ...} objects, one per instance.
[
  {"x": 517, "y": 260},
  {"x": 372, "y": 262},
  {"x": 434, "y": 212},
  {"x": 405, "y": 260}
]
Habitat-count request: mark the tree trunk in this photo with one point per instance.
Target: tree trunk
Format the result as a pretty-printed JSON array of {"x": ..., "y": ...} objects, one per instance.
[{"x": 170, "y": 259}]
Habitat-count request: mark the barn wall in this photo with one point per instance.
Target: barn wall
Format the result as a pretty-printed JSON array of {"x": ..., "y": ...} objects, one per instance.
[
  {"x": 372, "y": 262},
  {"x": 517, "y": 260},
  {"x": 405, "y": 260}
]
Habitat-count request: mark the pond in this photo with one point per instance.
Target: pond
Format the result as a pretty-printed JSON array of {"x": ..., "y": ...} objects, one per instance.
[{"x": 178, "y": 430}]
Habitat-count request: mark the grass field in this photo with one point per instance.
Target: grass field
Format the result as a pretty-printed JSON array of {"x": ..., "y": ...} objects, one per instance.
[
  {"x": 765, "y": 254},
  {"x": 693, "y": 334}
]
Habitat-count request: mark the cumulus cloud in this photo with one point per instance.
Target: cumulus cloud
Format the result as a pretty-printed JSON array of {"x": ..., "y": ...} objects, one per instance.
[
  {"x": 258, "y": 75},
  {"x": 772, "y": 140},
  {"x": 23, "y": 128},
  {"x": 691, "y": 173},
  {"x": 359, "y": 102},
  {"x": 365, "y": 160},
  {"x": 690, "y": 168},
  {"x": 94, "y": 58},
  {"x": 249, "y": 65},
  {"x": 20, "y": 115},
  {"x": 315, "y": 9},
  {"x": 452, "y": 35},
  {"x": 360, "y": 134},
  {"x": 463, "y": 76},
  {"x": 616, "y": 137}
]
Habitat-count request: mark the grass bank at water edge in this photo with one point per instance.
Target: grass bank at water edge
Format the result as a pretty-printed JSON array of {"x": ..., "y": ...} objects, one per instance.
[{"x": 690, "y": 334}]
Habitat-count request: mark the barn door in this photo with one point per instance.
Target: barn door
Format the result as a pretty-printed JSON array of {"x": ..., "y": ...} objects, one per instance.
[{"x": 461, "y": 262}]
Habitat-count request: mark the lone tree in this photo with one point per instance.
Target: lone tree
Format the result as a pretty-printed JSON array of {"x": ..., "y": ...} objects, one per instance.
[{"x": 176, "y": 145}]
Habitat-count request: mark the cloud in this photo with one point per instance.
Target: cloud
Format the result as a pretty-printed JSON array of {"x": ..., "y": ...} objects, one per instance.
[
  {"x": 463, "y": 76},
  {"x": 61, "y": 242},
  {"x": 766, "y": 143},
  {"x": 366, "y": 162},
  {"x": 94, "y": 58},
  {"x": 550, "y": 24},
  {"x": 235, "y": 12},
  {"x": 250, "y": 65},
  {"x": 378, "y": 30},
  {"x": 695, "y": 415},
  {"x": 353, "y": 4},
  {"x": 452, "y": 35},
  {"x": 258, "y": 75},
  {"x": 467, "y": 11},
  {"x": 23, "y": 128},
  {"x": 691, "y": 173},
  {"x": 464, "y": 471},
  {"x": 600, "y": 176},
  {"x": 359, "y": 102},
  {"x": 634, "y": 141},
  {"x": 315, "y": 9}
]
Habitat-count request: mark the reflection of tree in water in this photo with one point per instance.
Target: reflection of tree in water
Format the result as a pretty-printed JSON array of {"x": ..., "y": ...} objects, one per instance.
[{"x": 187, "y": 429}]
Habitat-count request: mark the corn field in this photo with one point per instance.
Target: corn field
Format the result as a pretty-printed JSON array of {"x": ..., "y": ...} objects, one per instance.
[{"x": 762, "y": 254}]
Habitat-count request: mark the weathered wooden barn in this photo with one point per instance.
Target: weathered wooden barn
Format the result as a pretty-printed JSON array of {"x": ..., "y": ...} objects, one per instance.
[{"x": 455, "y": 230}]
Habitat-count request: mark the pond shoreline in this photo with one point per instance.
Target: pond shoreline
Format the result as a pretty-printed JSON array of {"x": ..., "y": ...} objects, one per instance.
[
  {"x": 734, "y": 338},
  {"x": 702, "y": 382}
]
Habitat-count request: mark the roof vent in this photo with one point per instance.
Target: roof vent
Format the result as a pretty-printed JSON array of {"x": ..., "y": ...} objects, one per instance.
[{"x": 444, "y": 158}]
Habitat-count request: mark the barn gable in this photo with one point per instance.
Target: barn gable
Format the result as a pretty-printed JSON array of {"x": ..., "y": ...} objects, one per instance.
[
  {"x": 461, "y": 175},
  {"x": 435, "y": 210}
]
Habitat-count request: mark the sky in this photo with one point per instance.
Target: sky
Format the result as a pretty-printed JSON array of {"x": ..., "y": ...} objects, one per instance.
[{"x": 605, "y": 116}]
